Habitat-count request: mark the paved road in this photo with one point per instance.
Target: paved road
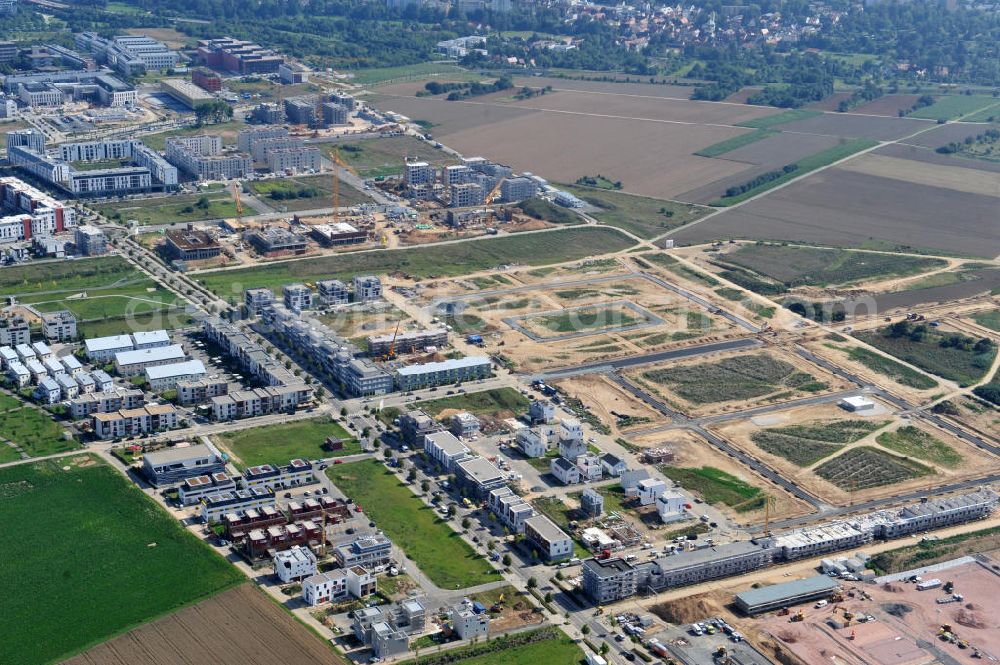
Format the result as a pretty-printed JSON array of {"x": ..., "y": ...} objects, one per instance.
[{"x": 607, "y": 366}]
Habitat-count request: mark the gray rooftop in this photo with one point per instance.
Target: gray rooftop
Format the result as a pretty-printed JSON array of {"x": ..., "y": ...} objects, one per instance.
[{"x": 778, "y": 592}]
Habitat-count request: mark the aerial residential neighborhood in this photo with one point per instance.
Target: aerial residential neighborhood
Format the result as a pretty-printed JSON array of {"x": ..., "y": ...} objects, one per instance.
[{"x": 493, "y": 331}]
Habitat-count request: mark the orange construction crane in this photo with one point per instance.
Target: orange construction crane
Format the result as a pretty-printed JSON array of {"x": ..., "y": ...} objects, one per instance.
[{"x": 391, "y": 353}]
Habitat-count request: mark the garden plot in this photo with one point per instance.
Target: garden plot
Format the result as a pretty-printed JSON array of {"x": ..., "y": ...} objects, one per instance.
[
  {"x": 703, "y": 468},
  {"x": 827, "y": 451},
  {"x": 591, "y": 318},
  {"x": 735, "y": 382}
]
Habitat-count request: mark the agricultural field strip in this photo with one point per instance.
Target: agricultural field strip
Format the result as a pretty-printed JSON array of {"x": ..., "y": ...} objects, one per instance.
[
  {"x": 793, "y": 180},
  {"x": 626, "y": 117},
  {"x": 649, "y": 319},
  {"x": 698, "y": 300}
]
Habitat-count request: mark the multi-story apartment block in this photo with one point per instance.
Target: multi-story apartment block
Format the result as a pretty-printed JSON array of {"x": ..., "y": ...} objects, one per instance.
[
  {"x": 296, "y": 159},
  {"x": 466, "y": 194},
  {"x": 257, "y": 300},
  {"x": 425, "y": 375},
  {"x": 130, "y": 422},
  {"x": 445, "y": 449},
  {"x": 407, "y": 342},
  {"x": 237, "y": 56},
  {"x": 335, "y": 114},
  {"x": 14, "y": 330},
  {"x": 202, "y": 157},
  {"x": 513, "y": 190},
  {"x": 550, "y": 541},
  {"x": 200, "y": 391},
  {"x": 297, "y": 297},
  {"x": 332, "y": 292},
  {"x": 418, "y": 173},
  {"x": 367, "y": 288},
  {"x": 373, "y": 552},
  {"x": 90, "y": 241}
]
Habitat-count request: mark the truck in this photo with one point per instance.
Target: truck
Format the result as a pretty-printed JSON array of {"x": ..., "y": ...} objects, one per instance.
[
  {"x": 474, "y": 339},
  {"x": 594, "y": 659},
  {"x": 926, "y": 585}
]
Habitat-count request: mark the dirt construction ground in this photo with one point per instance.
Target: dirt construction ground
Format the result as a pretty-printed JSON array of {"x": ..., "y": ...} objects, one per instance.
[
  {"x": 690, "y": 450},
  {"x": 239, "y": 627},
  {"x": 974, "y": 462},
  {"x": 602, "y": 397},
  {"x": 663, "y": 320},
  {"x": 906, "y": 627}
]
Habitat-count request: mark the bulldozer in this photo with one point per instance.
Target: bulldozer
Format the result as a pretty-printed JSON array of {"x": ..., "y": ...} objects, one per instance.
[{"x": 798, "y": 616}]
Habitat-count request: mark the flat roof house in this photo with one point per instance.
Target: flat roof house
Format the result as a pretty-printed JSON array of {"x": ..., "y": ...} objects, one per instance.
[
  {"x": 103, "y": 349},
  {"x": 172, "y": 465},
  {"x": 550, "y": 541},
  {"x": 132, "y": 363},
  {"x": 445, "y": 449}
]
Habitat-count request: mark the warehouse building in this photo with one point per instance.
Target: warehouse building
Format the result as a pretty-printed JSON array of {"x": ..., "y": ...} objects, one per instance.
[{"x": 786, "y": 594}]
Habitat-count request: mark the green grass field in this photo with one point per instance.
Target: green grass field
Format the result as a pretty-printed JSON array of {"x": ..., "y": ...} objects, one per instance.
[
  {"x": 640, "y": 215},
  {"x": 717, "y": 486},
  {"x": 377, "y": 75},
  {"x": 95, "y": 558},
  {"x": 278, "y": 444},
  {"x": 115, "y": 291},
  {"x": 952, "y": 107},
  {"x": 722, "y": 147},
  {"x": 440, "y": 553},
  {"x": 493, "y": 403},
  {"x": 172, "y": 209},
  {"x": 914, "y": 442},
  {"x": 385, "y": 156},
  {"x": 819, "y": 266},
  {"x": 988, "y": 319},
  {"x": 305, "y": 192},
  {"x": 934, "y": 352},
  {"x": 898, "y": 372},
  {"x": 431, "y": 261},
  {"x": 769, "y": 121},
  {"x": 33, "y": 431},
  {"x": 804, "y": 166},
  {"x": 549, "y": 212}
]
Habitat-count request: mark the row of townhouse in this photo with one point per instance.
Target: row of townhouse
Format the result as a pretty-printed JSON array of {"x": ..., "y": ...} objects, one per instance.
[
  {"x": 201, "y": 390},
  {"x": 248, "y": 354},
  {"x": 214, "y": 506},
  {"x": 239, "y": 523},
  {"x": 511, "y": 509},
  {"x": 260, "y": 401},
  {"x": 132, "y": 422},
  {"x": 261, "y": 543}
]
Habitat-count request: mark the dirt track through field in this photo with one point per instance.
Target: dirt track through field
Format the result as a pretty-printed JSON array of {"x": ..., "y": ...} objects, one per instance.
[{"x": 239, "y": 627}]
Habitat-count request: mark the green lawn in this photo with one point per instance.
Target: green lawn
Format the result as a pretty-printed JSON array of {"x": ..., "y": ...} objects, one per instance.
[
  {"x": 488, "y": 403},
  {"x": 640, "y": 215},
  {"x": 378, "y": 75},
  {"x": 949, "y": 355},
  {"x": 172, "y": 209},
  {"x": 769, "y": 121},
  {"x": 175, "y": 318},
  {"x": 545, "y": 646},
  {"x": 305, "y": 192},
  {"x": 385, "y": 156},
  {"x": 952, "y": 107},
  {"x": 589, "y": 318},
  {"x": 717, "y": 486},
  {"x": 549, "y": 212},
  {"x": 438, "y": 551},
  {"x": 432, "y": 261},
  {"x": 95, "y": 558},
  {"x": 722, "y": 147},
  {"x": 803, "y": 166},
  {"x": 278, "y": 444},
  {"x": 116, "y": 293},
  {"x": 34, "y": 431},
  {"x": 914, "y": 442}
]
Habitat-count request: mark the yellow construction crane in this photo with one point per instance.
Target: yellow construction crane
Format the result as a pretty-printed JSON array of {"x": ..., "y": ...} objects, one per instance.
[
  {"x": 768, "y": 502},
  {"x": 493, "y": 192}
]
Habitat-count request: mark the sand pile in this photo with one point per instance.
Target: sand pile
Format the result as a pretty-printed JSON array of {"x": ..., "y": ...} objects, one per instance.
[{"x": 970, "y": 619}]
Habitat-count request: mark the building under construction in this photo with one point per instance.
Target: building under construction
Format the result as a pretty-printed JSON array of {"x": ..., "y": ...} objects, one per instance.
[{"x": 408, "y": 342}]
